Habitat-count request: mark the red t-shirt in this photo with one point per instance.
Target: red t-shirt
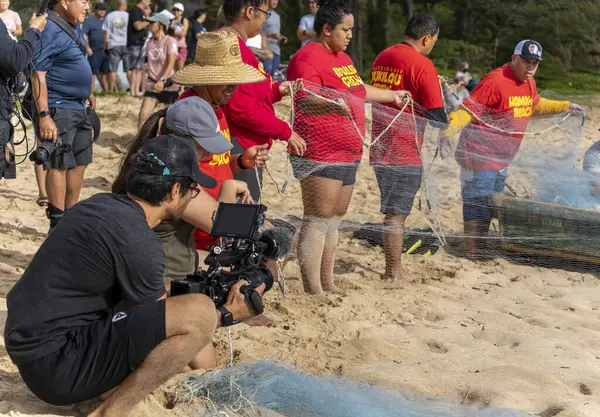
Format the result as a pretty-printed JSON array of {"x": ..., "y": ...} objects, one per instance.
[
  {"x": 217, "y": 167},
  {"x": 402, "y": 67},
  {"x": 329, "y": 137},
  {"x": 502, "y": 101},
  {"x": 250, "y": 111}
]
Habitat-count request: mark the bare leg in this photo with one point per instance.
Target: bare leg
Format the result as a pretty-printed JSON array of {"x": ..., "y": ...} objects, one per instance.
[
  {"x": 320, "y": 198},
  {"x": 393, "y": 243},
  {"x": 93, "y": 82},
  {"x": 148, "y": 106},
  {"x": 205, "y": 359},
  {"x": 140, "y": 83},
  {"x": 133, "y": 83},
  {"x": 310, "y": 252},
  {"x": 331, "y": 239},
  {"x": 112, "y": 79},
  {"x": 56, "y": 187},
  {"x": 185, "y": 338},
  {"x": 74, "y": 184},
  {"x": 40, "y": 178},
  {"x": 104, "y": 82}
]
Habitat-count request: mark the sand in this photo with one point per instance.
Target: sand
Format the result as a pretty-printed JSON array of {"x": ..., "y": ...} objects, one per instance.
[{"x": 495, "y": 333}]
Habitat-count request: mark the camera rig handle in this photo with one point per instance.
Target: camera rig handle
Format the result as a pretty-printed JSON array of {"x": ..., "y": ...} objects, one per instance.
[
  {"x": 43, "y": 7},
  {"x": 253, "y": 298}
]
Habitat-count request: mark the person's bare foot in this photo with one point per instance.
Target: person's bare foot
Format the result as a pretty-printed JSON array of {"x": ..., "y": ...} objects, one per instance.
[
  {"x": 260, "y": 321},
  {"x": 400, "y": 278},
  {"x": 334, "y": 289}
]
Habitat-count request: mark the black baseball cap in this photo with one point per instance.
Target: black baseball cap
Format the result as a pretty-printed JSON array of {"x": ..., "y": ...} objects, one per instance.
[
  {"x": 529, "y": 49},
  {"x": 100, "y": 6},
  {"x": 171, "y": 156}
]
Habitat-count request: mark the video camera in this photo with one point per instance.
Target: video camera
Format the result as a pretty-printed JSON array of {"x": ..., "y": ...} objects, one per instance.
[{"x": 241, "y": 257}]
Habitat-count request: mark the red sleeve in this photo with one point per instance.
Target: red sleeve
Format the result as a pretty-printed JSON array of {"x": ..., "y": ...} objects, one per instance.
[
  {"x": 430, "y": 90},
  {"x": 249, "y": 114},
  {"x": 304, "y": 70},
  {"x": 276, "y": 92}
]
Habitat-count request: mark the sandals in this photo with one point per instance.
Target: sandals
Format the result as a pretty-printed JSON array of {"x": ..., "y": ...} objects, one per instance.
[{"x": 42, "y": 201}]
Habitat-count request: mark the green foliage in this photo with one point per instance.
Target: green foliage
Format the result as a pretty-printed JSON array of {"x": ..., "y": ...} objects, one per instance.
[{"x": 449, "y": 53}]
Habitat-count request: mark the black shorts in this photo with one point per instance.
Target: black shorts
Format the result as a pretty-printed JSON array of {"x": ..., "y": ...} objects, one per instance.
[
  {"x": 166, "y": 97},
  {"x": 98, "y": 62},
  {"x": 75, "y": 130},
  {"x": 8, "y": 165},
  {"x": 137, "y": 57},
  {"x": 398, "y": 186},
  {"x": 346, "y": 173},
  {"x": 98, "y": 357}
]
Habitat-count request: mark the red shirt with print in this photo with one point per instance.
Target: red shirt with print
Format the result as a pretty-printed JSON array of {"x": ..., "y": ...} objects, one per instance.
[
  {"x": 402, "y": 67},
  {"x": 250, "y": 111},
  {"x": 503, "y": 101},
  {"x": 329, "y": 137},
  {"x": 218, "y": 168}
]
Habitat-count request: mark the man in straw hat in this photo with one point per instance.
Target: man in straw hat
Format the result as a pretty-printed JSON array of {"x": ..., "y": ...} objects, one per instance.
[{"x": 214, "y": 76}]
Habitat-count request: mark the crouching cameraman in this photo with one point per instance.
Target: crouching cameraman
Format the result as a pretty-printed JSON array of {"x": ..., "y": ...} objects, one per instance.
[
  {"x": 14, "y": 58},
  {"x": 90, "y": 312}
]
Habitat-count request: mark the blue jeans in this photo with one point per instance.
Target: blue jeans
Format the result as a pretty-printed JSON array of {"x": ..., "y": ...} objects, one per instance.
[
  {"x": 273, "y": 65},
  {"x": 477, "y": 188}
]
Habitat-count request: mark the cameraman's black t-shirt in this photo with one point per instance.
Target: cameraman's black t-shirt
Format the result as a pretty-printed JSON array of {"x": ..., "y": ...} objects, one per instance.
[
  {"x": 134, "y": 36},
  {"x": 102, "y": 254}
]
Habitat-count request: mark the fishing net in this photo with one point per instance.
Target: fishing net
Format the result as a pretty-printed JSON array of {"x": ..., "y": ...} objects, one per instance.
[
  {"x": 270, "y": 388},
  {"x": 547, "y": 207}
]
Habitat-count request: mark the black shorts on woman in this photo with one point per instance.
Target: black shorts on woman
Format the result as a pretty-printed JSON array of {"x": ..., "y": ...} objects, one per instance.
[{"x": 344, "y": 172}]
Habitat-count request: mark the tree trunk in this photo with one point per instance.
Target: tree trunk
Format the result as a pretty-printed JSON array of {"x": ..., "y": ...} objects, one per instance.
[
  {"x": 355, "y": 50},
  {"x": 409, "y": 8},
  {"x": 384, "y": 7}
]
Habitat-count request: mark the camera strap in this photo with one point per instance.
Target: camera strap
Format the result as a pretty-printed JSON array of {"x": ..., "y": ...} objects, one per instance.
[
  {"x": 253, "y": 298},
  {"x": 68, "y": 29}
]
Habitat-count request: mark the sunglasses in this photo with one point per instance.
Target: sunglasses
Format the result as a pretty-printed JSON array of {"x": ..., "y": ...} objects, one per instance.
[{"x": 267, "y": 14}]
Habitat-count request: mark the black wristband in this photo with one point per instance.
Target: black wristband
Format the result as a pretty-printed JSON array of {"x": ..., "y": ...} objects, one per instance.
[
  {"x": 240, "y": 162},
  {"x": 226, "y": 317}
]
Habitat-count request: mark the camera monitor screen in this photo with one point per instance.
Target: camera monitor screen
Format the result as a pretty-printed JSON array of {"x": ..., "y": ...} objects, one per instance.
[{"x": 236, "y": 220}]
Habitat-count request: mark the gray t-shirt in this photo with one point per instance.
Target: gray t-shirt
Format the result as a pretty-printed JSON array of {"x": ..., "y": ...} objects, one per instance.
[
  {"x": 115, "y": 24},
  {"x": 273, "y": 25},
  {"x": 307, "y": 23}
]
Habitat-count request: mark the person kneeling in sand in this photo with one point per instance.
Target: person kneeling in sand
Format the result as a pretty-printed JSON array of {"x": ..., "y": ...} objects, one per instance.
[{"x": 90, "y": 313}]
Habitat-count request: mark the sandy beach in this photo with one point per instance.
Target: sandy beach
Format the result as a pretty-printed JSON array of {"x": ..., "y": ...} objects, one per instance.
[{"x": 495, "y": 333}]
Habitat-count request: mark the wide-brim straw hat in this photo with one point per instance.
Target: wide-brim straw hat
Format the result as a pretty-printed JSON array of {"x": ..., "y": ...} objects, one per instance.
[{"x": 218, "y": 62}]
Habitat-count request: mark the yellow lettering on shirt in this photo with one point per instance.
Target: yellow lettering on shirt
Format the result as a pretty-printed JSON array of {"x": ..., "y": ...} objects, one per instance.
[
  {"x": 386, "y": 78},
  {"x": 522, "y": 106},
  {"x": 224, "y": 158},
  {"x": 348, "y": 75}
]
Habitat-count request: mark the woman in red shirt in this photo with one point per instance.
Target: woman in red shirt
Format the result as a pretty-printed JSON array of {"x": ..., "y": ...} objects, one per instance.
[
  {"x": 327, "y": 171},
  {"x": 250, "y": 114}
]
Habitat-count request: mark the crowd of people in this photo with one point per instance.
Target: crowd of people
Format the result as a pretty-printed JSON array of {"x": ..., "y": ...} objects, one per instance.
[{"x": 91, "y": 314}]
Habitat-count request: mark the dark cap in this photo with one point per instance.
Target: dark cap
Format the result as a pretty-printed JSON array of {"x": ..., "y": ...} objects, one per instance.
[
  {"x": 100, "y": 6},
  {"x": 194, "y": 117},
  {"x": 171, "y": 156},
  {"x": 529, "y": 49}
]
